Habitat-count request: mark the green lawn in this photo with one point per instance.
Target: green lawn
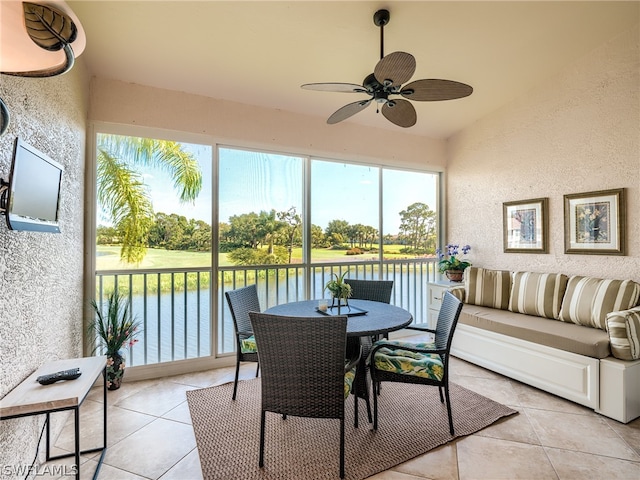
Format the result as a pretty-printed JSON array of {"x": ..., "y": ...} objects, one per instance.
[{"x": 108, "y": 257}]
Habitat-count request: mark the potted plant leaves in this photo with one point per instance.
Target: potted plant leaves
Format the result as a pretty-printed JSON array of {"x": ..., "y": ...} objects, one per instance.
[
  {"x": 340, "y": 291},
  {"x": 115, "y": 328}
]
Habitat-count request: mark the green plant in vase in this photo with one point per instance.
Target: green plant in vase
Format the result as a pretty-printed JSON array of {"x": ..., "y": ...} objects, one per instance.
[
  {"x": 339, "y": 289},
  {"x": 115, "y": 328},
  {"x": 449, "y": 263}
]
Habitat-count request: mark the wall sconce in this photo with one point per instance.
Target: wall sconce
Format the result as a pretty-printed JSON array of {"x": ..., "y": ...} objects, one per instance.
[{"x": 36, "y": 40}]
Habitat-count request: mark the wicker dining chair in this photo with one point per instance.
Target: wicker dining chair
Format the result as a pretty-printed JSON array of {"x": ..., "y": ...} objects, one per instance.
[
  {"x": 376, "y": 291},
  {"x": 421, "y": 363},
  {"x": 308, "y": 368},
  {"x": 241, "y": 302}
]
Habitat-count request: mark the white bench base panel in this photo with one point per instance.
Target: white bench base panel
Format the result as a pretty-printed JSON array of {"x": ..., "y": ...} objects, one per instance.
[
  {"x": 610, "y": 386},
  {"x": 619, "y": 389}
]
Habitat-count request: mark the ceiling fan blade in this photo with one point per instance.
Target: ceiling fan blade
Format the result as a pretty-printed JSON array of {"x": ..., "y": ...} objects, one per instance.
[
  {"x": 334, "y": 87},
  {"x": 433, "y": 89},
  {"x": 401, "y": 113},
  {"x": 348, "y": 110},
  {"x": 397, "y": 67}
]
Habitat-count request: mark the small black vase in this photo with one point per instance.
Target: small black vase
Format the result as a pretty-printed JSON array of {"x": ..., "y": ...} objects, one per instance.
[{"x": 337, "y": 302}]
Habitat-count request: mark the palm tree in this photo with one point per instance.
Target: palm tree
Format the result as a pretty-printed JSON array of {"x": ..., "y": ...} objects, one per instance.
[
  {"x": 122, "y": 193},
  {"x": 268, "y": 226},
  {"x": 292, "y": 222}
]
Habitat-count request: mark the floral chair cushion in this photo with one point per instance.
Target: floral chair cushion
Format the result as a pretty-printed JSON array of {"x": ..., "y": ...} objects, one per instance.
[
  {"x": 405, "y": 362},
  {"x": 348, "y": 382},
  {"x": 248, "y": 345}
]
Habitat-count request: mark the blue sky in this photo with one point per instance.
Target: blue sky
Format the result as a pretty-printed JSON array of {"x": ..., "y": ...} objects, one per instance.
[{"x": 254, "y": 181}]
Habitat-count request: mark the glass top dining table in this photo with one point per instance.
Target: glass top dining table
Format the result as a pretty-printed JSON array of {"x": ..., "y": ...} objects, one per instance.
[{"x": 380, "y": 318}]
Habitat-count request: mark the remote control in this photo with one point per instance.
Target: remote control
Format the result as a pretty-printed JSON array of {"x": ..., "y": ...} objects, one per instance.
[{"x": 70, "y": 374}]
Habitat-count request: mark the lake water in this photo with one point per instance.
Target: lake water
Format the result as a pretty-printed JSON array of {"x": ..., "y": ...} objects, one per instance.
[{"x": 178, "y": 326}]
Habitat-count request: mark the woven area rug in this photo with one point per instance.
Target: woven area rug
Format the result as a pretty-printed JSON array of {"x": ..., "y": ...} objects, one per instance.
[{"x": 411, "y": 421}]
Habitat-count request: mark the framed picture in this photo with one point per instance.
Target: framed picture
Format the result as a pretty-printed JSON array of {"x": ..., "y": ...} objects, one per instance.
[
  {"x": 525, "y": 226},
  {"x": 594, "y": 222}
]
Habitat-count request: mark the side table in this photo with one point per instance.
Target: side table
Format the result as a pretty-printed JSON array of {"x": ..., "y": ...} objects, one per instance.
[
  {"x": 31, "y": 398},
  {"x": 436, "y": 291}
]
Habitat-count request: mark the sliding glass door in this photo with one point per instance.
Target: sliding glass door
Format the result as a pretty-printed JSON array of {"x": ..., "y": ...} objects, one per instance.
[
  {"x": 180, "y": 223},
  {"x": 260, "y": 219},
  {"x": 153, "y": 242}
]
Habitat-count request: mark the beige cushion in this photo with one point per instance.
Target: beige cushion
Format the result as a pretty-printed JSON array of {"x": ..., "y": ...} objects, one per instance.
[
  {"x": 537, "y": 293},
  {"x": 487, "y": 288},
  {"x": 624, "y": 333},
  {"x": 587, "y": 341},
  {"x": 588, "y": 300}
]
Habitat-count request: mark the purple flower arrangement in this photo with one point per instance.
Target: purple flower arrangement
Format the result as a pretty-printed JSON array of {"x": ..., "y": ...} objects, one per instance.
[{"x": 448, "y": 259}]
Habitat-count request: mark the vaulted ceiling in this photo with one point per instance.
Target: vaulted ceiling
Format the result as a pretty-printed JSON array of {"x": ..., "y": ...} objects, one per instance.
[{"x": 260, "y": 52}]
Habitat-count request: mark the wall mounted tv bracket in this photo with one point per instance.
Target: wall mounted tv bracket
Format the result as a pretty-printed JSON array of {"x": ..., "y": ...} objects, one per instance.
[
  {"x": 4, "y": 196},
  {"x": 4, "y": 117}
]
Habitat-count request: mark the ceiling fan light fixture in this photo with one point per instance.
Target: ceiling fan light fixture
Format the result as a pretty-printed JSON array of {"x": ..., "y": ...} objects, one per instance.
[{"x": 389, "y": 74}]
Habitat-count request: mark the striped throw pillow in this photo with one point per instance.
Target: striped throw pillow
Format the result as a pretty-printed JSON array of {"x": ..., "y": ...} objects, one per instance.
[
  {"x": 624, "y": 333},
  {"x": 537, "y": 294},
  {"x": 487, "y": 288},
  {"x": 588, "y": 300},
  {"x": 458, "y": 292}
]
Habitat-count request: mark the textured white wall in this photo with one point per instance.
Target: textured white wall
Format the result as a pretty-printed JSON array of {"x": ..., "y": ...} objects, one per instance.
[
  {"x": 41, "y": 276},
  {"x": 245, "y": 125},
  {"x": 577, "y": 132}
]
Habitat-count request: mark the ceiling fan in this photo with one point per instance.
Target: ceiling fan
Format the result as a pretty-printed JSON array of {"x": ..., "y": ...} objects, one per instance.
[{"x": 386, "y": 80}]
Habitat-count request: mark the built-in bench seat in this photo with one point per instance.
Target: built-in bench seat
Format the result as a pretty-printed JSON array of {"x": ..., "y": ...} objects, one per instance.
[
  {"x": 569, "y": 337},
  {"x": 576, "y": 337}
]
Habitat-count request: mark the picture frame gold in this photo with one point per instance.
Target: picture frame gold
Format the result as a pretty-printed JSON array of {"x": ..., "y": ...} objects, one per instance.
[
  {"x": 525, "y": 226},
  {"x": 594, "y": 222}
]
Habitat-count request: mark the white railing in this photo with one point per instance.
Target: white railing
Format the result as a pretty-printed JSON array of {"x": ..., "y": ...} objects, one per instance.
[{"x": 174, "y": 306}]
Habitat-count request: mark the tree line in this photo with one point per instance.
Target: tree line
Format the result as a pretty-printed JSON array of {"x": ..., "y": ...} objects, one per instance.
[
  {"x": 251, "y": 238},
  {"x": 269, "y": 237}
]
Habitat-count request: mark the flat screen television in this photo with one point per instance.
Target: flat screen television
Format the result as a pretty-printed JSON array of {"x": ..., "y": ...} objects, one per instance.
[{"x": 31, "y": 199}]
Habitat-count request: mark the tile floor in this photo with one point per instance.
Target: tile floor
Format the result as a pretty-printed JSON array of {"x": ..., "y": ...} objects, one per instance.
[{"x": 150, "y": 435}]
